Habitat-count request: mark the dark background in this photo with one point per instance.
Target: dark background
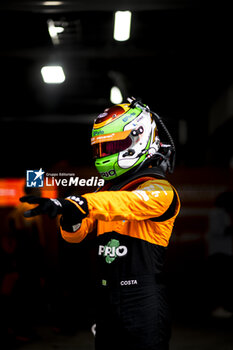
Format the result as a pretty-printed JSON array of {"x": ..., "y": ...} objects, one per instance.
[{"x": 179, "y": 61}]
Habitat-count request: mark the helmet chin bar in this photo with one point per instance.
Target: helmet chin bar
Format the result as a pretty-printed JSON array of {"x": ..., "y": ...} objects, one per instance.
[{"x": 166, "y": 157}]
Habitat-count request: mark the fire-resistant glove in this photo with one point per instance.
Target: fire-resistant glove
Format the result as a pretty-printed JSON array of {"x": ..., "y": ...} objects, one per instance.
[{"x": 73, "y": 209}]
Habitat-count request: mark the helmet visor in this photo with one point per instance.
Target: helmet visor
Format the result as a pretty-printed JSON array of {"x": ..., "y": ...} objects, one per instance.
[{"x": 105, "y": 149}]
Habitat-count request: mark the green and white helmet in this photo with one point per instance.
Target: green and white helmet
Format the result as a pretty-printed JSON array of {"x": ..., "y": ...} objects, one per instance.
[{"x": 122, "y": 138}]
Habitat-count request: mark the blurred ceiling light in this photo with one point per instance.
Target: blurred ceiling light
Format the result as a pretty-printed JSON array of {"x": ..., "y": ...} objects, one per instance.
[
  {"x": 54, "y": 31},
  {"x": 115, "y": 95},
  {"x": 122, "y": 25},
  {"x": 53, "y": 74},
  {"x": 52, "y": 3}
]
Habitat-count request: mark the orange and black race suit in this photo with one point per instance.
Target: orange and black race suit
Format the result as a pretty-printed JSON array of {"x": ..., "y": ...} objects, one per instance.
[{"x": 133, "y": 231}]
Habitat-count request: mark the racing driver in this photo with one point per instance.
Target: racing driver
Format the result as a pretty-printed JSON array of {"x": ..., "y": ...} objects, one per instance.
[{"x": 133, "y": 215}]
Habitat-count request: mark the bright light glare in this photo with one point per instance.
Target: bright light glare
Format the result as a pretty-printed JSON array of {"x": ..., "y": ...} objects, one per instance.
[
  {"x": 122, "y": 25},
  {"x": 53, "y": 74},
  {"x": 115, "y": 95},
  {"x": 52, "y": 3},
  {"x": 53, "y": 31}
]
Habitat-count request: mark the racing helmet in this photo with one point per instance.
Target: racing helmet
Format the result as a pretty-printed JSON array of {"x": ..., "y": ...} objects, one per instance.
[{"x": 123, "y": 137}]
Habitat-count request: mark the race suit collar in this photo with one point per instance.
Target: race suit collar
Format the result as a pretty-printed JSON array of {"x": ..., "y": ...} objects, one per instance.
[{"x": 128, "y": 182}]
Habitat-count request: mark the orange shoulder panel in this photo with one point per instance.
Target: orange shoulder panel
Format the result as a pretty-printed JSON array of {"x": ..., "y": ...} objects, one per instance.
[
  {"x": 153, "y": 199},
  {"x": 149, "y": 200}
]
